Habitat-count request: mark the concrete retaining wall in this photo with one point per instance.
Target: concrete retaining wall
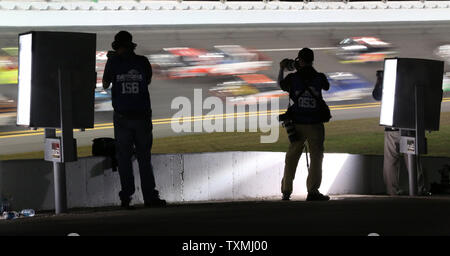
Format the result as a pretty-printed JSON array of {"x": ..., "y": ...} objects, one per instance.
[{"x": 195, "y": 177}]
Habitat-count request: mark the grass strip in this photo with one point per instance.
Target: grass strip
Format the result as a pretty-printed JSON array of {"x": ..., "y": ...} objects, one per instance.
[{"x": 359, "y": 136}]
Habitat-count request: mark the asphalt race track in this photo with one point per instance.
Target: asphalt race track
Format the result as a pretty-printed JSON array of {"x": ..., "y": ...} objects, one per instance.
[{"x": 275, "y": 41}]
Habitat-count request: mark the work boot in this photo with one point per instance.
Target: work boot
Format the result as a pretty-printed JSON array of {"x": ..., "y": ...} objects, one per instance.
[
  {"x": 317, "y": 197},
  {"x": 156, "y": 202},
  {"x": 125, "y": 204},
  {"x": 286, "y": 197},
  {"x": 401, "y": 192},
  {"x": 425, "y": 193}
]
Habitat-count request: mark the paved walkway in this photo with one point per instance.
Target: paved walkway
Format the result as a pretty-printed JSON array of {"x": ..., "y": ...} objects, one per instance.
[{"x": 343, "y": 215}]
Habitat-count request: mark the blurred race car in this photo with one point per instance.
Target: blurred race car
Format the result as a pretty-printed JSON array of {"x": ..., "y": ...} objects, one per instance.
[
  {"x": 102, "y": 97},
  {"x": 100, "y": 62},
  {"x": 7, "y": 105},
  {"x": 179, "y": 62},
  {"x": 8, "y": 65},
  {"x": 8, "y": 77},
  {"x": 346, "y": 86},
  {"x": 184, "y": 62},
  {"x": 363, "y": 49},
  {"x": 248, "y": 89},
  {"x": 238, "y": 60}
]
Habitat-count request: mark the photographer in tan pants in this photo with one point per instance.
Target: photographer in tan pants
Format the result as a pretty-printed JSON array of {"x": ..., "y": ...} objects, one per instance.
[{"x": 304, "y": 121}]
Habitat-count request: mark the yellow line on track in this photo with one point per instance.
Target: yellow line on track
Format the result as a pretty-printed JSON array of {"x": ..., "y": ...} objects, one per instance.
[{"x": 15, "y": 134}]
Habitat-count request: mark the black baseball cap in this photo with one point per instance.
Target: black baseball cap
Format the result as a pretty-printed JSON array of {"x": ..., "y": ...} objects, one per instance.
[
  {"x": 306, "y": 54},
  {"x": 123, "y": 39}
]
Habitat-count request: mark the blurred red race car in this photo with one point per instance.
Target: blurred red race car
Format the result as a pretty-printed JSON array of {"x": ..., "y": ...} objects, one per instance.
[{"x": 184, "y": 62}]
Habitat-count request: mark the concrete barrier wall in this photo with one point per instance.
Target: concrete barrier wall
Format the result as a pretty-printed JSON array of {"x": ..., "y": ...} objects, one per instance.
[{"x": 195, "y": 177}]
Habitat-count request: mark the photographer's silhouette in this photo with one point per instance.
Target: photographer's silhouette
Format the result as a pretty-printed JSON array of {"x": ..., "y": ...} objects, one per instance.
[
  {"x": 130, "y": 75},
  {"x": 304, "y": 121}
]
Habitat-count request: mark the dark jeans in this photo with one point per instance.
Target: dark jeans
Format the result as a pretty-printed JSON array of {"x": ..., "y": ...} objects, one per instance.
[{"x": 134, "y": 134}]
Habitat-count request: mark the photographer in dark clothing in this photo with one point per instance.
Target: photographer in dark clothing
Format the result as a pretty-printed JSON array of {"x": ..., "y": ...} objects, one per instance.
[
  {"x": 130, "y": 75},
  {"x": 304, "y": 87}
]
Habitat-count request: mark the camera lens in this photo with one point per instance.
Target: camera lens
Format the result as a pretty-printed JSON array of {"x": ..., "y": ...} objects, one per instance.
[
  {"x": 290, "y": 129},
  {"x": 290, "y": 65}
]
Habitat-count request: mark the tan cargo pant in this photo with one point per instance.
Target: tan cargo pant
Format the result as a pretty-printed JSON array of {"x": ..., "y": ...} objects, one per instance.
[
  {"x": 391, "y": 165},
  {"x": 314, "y": 134}
]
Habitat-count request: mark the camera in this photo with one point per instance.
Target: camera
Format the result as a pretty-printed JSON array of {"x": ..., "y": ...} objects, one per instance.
[
  {"x": 289, "y": 64},
  {"x": 289, "y": 124},
  {"x": 290, "y": 129}
]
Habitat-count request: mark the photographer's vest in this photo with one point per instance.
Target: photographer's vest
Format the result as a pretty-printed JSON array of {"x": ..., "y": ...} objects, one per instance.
[
  {"x": 305, "y": 107},
  {"x": 130, "y": 84}
]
